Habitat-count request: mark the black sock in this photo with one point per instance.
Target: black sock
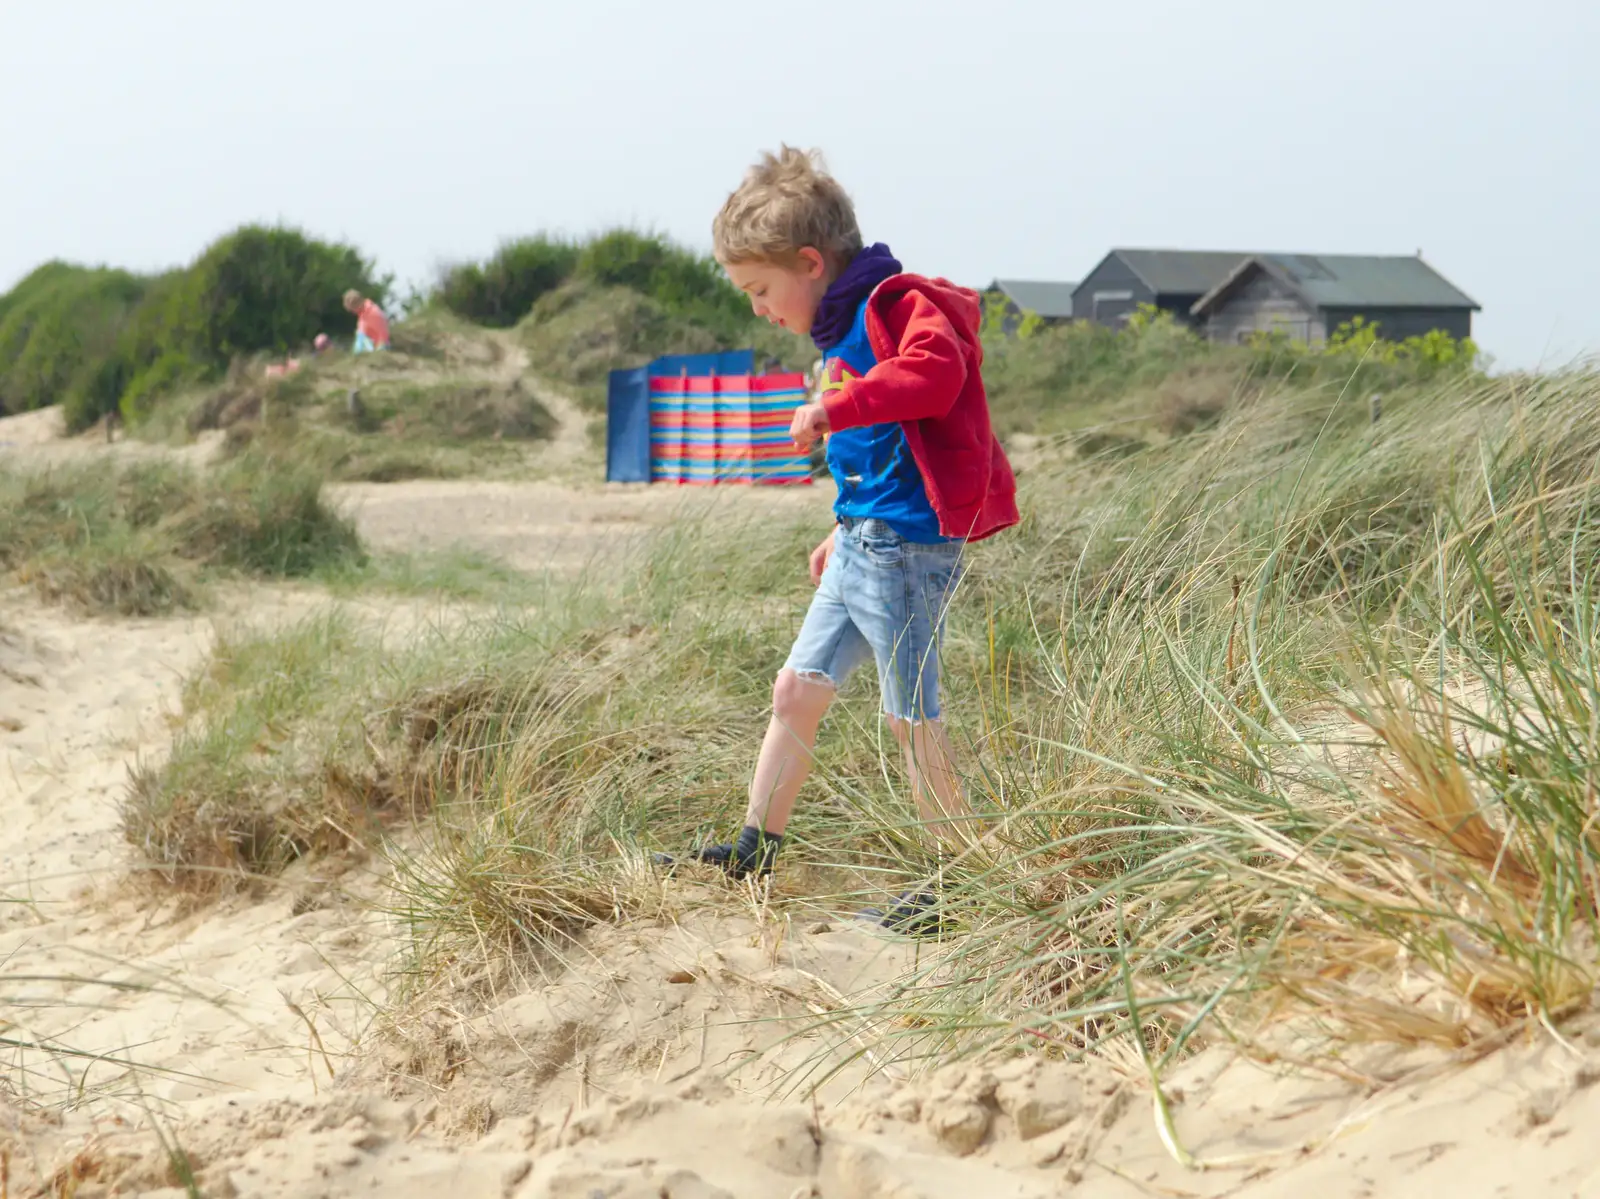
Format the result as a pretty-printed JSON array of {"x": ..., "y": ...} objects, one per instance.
[
  {"x": 756, "y": 850},
  {"x": 752, "y": 853}
]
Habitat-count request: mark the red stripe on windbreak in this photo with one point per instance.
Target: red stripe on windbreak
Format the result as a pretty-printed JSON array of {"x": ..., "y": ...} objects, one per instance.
[
  {"x": 757, "y": 420},
  {"x": 712, "y": 384},
  {"x": 760, "y": 421},
  {"x": 683, "y": 480},
  {"x": 688, "y": 420},
  {"x": 686, "y": 385},
  {"x": 790, "y": 382},
  {"x": 701, "y": 385},
  {"x": 713, "y": 421}
]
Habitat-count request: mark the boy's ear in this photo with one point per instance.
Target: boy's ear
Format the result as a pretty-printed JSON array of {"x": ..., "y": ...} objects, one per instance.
[{"x": 812, "y": 264}]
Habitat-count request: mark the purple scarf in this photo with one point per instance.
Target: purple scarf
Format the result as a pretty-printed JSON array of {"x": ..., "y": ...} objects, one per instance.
[{"x": 842, "y": 301}]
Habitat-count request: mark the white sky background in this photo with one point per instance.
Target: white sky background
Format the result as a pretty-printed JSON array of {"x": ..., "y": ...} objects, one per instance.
[{"x": 1017, "y": 138}]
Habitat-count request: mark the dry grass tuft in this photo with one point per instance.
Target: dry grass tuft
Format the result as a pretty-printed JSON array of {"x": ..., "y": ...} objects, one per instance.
[{"x": 138, "y": 540}]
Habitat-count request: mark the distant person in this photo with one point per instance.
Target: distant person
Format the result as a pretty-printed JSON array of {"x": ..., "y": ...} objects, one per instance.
[
  {"x": 372, "y": 327},
  {"x": 919, "y": 474},
  {"x": 814, "y": 381},
  {"x": 321, "y": 345}
]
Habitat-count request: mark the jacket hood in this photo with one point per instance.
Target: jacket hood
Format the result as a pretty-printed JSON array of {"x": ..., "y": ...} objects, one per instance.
[{"x": 961, "y": 306}]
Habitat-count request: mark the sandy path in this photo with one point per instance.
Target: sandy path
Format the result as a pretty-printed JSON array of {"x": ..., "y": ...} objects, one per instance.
[
  {"x": 36, "y": 439},
  {"x": 539, "y": 526},
  {"x": 81, "y": 703}
]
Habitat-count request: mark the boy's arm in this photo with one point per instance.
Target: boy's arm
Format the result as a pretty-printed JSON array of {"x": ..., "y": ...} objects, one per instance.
[{"x": 922, "y": 380}]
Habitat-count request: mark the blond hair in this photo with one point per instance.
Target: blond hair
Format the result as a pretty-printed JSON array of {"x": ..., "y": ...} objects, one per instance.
[
  {"x": 352, "y": 297},
  {"x": 787, "y": 201}
]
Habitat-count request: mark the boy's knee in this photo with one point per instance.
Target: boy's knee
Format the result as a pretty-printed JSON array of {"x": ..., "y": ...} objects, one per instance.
[
  {"x": 795, "y": 695},
  {"x": 905, "y": 731}
]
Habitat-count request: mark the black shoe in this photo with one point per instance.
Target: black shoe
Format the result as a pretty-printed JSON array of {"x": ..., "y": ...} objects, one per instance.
[
  {"x": 912, "y": 914},
  {"x": 752, "y": 854}
]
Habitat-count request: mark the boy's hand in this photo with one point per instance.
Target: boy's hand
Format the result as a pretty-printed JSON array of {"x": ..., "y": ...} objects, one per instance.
[
  {"x": 809, "y": 424},
  {"x": 819, "y": 560}
]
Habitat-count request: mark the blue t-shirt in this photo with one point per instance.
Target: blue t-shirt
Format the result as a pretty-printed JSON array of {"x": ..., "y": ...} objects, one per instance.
[{"x": 873, "y": 466}]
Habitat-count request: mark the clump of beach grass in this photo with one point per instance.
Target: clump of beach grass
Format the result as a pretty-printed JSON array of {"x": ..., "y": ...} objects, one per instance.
[{"x": 143, "y": 539}]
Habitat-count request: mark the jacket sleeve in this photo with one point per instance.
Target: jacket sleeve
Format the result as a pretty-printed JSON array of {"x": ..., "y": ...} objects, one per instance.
[{"x": 923, "y": 379}]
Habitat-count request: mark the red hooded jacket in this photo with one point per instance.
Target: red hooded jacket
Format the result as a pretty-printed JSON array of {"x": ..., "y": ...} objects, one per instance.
[{"x": 929, "y": 381}]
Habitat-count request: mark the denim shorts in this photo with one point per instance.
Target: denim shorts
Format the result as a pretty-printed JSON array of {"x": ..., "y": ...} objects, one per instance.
[{"x": 881, "y": 597}]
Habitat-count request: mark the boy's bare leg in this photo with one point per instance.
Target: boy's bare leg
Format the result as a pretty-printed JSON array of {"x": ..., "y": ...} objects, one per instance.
[
  {"x": 935, "y": 783},
  {"x": 798, "y": 706}
]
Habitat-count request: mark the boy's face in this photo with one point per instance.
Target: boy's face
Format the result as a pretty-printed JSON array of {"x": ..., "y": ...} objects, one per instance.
[{"x": 786, "y": 295}]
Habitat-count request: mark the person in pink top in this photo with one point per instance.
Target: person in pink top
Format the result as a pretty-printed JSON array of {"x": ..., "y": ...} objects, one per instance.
[{"x": 372, "y": 327}]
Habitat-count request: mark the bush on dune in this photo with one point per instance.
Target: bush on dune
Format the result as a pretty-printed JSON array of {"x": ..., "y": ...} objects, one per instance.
[
  {"x": 504, "y": 288},
  {"x": 58, "y": 328},
  {"x": 616, "y": 300}
]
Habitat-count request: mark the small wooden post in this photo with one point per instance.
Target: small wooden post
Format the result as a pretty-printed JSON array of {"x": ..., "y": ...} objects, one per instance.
[{"x": 1375, "y": 406}]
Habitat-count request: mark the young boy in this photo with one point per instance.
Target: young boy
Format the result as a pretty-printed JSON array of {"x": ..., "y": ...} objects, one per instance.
[
  {"x": 372, "y": 327},
  {"x": 919, "y": 475}
]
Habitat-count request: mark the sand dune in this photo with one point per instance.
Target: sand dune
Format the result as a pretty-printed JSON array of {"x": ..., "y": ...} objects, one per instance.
[{"x": 659, "y": 1059}]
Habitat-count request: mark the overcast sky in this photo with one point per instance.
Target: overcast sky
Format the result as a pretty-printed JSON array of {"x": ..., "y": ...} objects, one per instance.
[{"x": 1015, "y": 138}]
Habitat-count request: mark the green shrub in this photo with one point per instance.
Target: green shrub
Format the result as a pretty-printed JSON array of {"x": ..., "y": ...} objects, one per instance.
[
  {"x": 1041, "y": 380},
  {"x": 684, "y": 283},
  {"x": 153, "y": 332},
  {"x": 57, "y": 329},
  {"x": 501, "y": 291},
  {"x": 161, "y": 378},
  {"x": 38, "y": 280},
  {"x": 681, "y": 286},
  {"x": 1356, "y": 352}
]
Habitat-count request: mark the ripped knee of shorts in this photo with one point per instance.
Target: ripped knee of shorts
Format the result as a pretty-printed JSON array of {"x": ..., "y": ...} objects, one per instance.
[
  {"x": 789, "y": 697},
  {"x": 819, "y": 677}
]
